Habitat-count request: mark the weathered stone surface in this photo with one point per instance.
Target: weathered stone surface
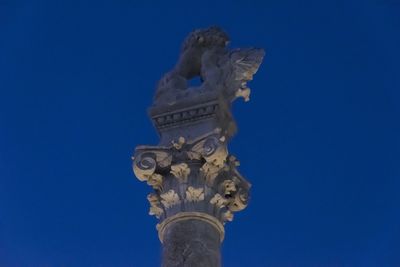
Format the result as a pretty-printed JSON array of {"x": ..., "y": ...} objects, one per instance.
[
  {"x": 191, "y": 243},
  {"x": 193, "y": 177},
  {"x": 204, "y": 54},
  {"x": 197, "y": 186}
]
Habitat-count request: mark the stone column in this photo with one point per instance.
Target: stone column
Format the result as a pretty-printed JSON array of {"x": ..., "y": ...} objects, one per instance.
[{"x": 195, "y": 181}]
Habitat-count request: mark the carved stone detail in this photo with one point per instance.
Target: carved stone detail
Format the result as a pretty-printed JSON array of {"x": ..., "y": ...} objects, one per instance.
[
  {"x": 144, "y": 167},
  {"x": 219, "y": 201},
  {"x": 194, "y": 194},
  {"x": 155, "y": 208},
  {"x": 155, "y": 180},
  {"x": 170, "y": 199},
  {"x": 228, "y": 187},
  {"x": 204, "y": 54},
  {"x": 147, "y": 160},
  {"x": 228, "y": 216},
  {"x": 181, "y": 171},
  {"x": 239, "y": 201},
  {"x": 210, "y": 172}
]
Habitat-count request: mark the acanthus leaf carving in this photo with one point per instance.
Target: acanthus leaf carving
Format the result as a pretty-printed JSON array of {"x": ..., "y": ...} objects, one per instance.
[
  {"x": 219, "y": 201},
  {"x": 239, "y": 201},
  {"x": 194, "y": 194},
  {"x": 155, "y": 208},
  {"x": 170, "y": 199},
  {"x": 155, "y": 180},
  {"x": 228, "y": 187},
  {"x": 180, "y": 171},
  {"x": 228, "y": 216},
  {"x": 210, "y": 172}
]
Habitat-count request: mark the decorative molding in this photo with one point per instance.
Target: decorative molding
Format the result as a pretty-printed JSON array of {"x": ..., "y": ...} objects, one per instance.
[
  {"x": 148, "y": 159},
  {"x": 239, "y": 201},
  {"x": 209, "y": 172},
  {"x": 167, "y": 120},
  {"x": 214, "y": 151},
  {"x": 222, "y": 70}
]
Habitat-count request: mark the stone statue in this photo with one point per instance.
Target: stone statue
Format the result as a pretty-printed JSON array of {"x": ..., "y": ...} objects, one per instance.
[
  {"x": 197, "y": 187},
  {"x": 204, "y": 54}
]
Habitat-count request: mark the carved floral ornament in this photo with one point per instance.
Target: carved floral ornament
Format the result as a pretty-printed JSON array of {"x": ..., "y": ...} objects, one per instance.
[
  {"x": 170, "y": 199},
  {"x": 219, "y": 201},
  {"x": 194, "y": 194},
  {"x": 155, "y": 207},
  {"x": 180, "y": 171}
]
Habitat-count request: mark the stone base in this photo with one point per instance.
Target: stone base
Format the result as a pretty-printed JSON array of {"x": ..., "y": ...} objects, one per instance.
[{"x": 191, "y": 243}]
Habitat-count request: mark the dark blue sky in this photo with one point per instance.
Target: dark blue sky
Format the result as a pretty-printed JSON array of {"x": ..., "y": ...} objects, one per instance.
[{"x": 319, "y": 140}]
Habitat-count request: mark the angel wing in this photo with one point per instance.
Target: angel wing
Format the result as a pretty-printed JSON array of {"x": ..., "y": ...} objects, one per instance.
[{"x": 245, "y": 62}]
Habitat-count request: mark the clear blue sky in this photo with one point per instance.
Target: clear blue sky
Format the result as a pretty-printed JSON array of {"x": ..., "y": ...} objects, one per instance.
[{"x": 319, "y": 140}]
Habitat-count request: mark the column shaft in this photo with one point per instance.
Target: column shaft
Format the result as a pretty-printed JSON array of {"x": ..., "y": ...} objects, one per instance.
[{"x": 191, "y": 243}]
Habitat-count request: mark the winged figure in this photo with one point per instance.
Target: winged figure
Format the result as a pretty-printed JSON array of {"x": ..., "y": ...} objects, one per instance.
[{"x": 205, "y": 54}]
